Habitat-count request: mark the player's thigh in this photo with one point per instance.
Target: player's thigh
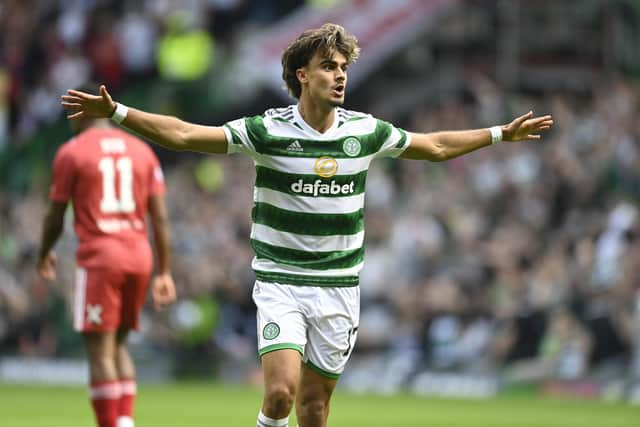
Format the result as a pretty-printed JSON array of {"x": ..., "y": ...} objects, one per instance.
[
  {"x": 133, "y": 295},
  {"x": 100, "y": 345},
  {"x": 281, "y": 368},
  {"x": 333, "y": 327},
  {"x": 96, "y": 299},
  {"x": 280, "y": 321},
  {"x": 314, "y": 386}
]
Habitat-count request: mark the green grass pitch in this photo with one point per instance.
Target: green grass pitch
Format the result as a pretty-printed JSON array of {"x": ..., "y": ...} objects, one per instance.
[{"x": 202, "y": 404}]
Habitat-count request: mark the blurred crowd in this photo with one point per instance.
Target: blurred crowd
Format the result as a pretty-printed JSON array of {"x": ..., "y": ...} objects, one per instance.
[
  {"x": 47, "y": 47},
  {"x": 519, "y": 258}
]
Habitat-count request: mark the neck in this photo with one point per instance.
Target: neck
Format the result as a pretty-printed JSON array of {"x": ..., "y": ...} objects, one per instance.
[
  {"x": 101, "y": 123},
  {"x": 81, "y": 125},
  {"x": 319, "y": 116}
]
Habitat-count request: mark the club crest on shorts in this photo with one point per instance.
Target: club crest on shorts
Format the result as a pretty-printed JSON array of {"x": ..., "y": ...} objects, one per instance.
[
  {"x": 270, "y": 331},
  {"x": 351, "y": 146}
]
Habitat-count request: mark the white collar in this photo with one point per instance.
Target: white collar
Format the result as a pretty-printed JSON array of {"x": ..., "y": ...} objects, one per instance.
[{"x": 307, "y": 128}]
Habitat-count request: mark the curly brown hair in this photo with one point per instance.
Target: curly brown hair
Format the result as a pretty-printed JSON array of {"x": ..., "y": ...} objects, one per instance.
[{"x": 327, "y": 40}]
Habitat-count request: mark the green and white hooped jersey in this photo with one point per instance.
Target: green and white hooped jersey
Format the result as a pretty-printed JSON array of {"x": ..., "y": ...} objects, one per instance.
[{"x": 308, "y": 214}]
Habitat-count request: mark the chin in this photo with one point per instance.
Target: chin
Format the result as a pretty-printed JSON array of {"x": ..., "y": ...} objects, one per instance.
[{"x": 336, "y": 102}]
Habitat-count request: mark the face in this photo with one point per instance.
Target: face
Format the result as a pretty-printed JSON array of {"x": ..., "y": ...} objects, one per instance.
[{"x": 325, "y": 79}]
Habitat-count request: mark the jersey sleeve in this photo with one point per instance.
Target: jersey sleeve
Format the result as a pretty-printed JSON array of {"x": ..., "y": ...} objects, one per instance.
[
  {"x": 64, "y": 173},
  {"x": 394, "y": 140},
  {"x": 238, "y": 140}
]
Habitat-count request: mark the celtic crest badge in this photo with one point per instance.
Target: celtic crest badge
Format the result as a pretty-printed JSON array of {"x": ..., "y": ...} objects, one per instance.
[
  {"x": 351, "y": 146},
  {"x": 270, "y": 331}
]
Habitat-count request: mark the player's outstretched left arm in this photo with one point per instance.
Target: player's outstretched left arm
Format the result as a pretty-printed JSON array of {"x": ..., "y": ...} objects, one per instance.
[{"x": 440, "y": 146}]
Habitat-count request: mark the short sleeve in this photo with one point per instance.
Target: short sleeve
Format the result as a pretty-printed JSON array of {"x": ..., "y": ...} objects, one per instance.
[
  {"x": 64, "y": 173},
  {"x": 395, "y": 140},
  {"x": 238, "y": 140}
]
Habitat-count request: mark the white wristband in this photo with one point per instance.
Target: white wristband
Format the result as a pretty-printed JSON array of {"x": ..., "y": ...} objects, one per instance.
[
  {"x": 120, "y": 113},
  {"x": 496, "y": 134}
]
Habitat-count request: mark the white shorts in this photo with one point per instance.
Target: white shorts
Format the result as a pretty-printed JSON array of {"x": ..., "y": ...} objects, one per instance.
[{"x": 320, "y": 322}]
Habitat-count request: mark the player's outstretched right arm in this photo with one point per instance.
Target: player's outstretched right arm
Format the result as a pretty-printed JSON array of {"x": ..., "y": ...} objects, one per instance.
[{"x": 168, "y": 131}]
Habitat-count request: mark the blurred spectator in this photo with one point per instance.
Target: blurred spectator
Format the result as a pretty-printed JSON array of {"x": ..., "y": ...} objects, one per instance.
[
  {"x": 4, "y": 109},
  {"x": 137, "y": 38},
  {"x": 185, "y": 52},
  {"x": 103, "y": 49}
]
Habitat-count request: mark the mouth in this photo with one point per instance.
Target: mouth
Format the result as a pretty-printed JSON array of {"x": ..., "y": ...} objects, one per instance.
[{"x": 338, "y": 90}]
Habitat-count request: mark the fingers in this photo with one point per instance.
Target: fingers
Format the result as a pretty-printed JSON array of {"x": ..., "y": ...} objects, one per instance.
[
  {"x": 161, "y": 294},
  {"x": 537, "y": 120},
  {"x": 71, "y": 99},
  {"x": 81, "y": 104},
  {"x": 73, "y": 109},
  {"x": 47, "y": 274},
  {"x": 71, "y": 105},
  {"x": 71, "y": 102},
  {"x": 532, "y": 126},
  {"x": 169, "y": 294},
  {"x": 47, "y": 268},
  {"x": 164, "y": 292},
  {"x": 74, "y": 105},
  {"x": 104, "y": 93},
  {"x": 160, "y": 303},
  {"x": 527, "y": 127},
  {"x": 520, "y": 120},
  {"x": 158, "y": 300},
  {"x": 81, "y": 95},
  {"x": 77, "y": 115},
  {"x": 540, "y": 126},
  {"x": 540, "y": 121}
]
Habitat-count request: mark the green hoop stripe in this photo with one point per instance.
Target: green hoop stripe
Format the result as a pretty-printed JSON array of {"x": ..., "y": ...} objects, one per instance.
[
  {"x": 301, "y": 280},
  {"x": 313, "y": 224},
  {"x": 321, "y": 371},
  {"x": 281, "y": 346},
  {"x": 235, "y": 138},
  {"x": 354, "y": 119},
  {"x": 328, "y": 260},
  {"x": 403, "y": 140}
]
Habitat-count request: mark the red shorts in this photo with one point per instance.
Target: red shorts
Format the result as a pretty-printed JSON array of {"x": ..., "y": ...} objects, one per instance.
[{"x": 107, "y": 300}]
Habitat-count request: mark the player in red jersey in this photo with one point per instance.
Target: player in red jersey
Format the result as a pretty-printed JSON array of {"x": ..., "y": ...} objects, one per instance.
[{"x": 113, "y": 180}]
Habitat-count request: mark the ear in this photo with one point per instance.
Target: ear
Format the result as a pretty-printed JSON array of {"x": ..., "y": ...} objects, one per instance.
[{"x": 301, "y": 74}]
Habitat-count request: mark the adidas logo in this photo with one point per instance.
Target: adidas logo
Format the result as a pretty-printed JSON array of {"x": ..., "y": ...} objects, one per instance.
[{"x": 295, "y": 146}]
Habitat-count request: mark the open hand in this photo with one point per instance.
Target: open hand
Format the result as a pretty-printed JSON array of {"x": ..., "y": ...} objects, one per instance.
[
  {"x": 526, "y": 127},
  {"x": 163, "y": 291},
  {"x": 81, "y": 104}
]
